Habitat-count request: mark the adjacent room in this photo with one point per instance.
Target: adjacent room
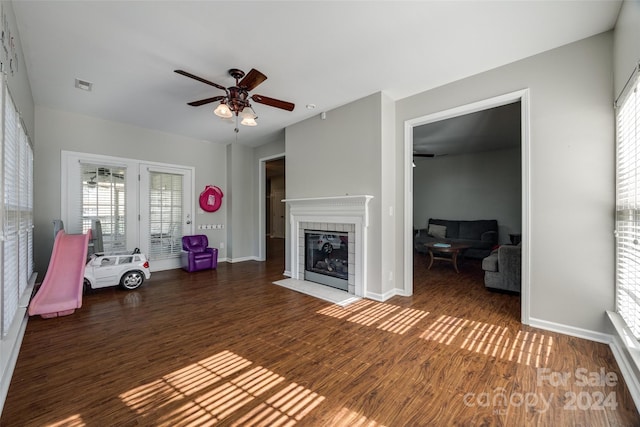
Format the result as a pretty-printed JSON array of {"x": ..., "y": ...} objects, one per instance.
[
  {"x": 467, "y": 198},
  {"x": 241, "y": 213}
]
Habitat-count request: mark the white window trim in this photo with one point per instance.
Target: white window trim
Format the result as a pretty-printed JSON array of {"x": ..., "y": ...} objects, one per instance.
[{"x": 625, "y": 346}]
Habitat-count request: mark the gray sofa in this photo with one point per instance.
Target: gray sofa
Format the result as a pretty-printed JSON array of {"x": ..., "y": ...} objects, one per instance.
[
  {"x": 502, "y": 268},
  {"x": 481, "y": 235}
]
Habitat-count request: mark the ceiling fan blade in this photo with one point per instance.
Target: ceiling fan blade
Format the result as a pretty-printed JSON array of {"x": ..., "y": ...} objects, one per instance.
[
  {"x": 205, "y": 101},
  {"x": 251, "y": 80},
  {"x": 273, "y": 102},
  {"x": 423, "y": 155},
  {"x": 200, "y": 79}
]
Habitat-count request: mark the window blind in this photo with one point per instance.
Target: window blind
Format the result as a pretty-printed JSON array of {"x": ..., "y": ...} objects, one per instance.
[
  {"x": 103, "y": 197},
  {"x": 17, "y": 212},
  {"x": 165, "y": 215},
  {"x": 24, "y": 213},
  {"x": 10, "y": 245},
  {"x": 628, "y": 205}
]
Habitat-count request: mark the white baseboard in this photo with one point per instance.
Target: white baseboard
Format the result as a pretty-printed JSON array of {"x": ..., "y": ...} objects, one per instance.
[
  {"x": 381, "y": 297},
  {"x": 570, "y": 330},
  {"x": 625, "y": 365},
  {"x": 243, "y": 259},
  {"x": 626, "y": 350},
  {"x": 286, "y": 273}
]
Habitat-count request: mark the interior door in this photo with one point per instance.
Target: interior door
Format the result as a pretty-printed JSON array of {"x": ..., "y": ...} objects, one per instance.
[
  {"x": 166, "y": 207},
  {"x": 277, "y": 214}
]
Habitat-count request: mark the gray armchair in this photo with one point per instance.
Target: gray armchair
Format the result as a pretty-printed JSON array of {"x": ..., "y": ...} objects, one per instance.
[{"x": 502, "y": 268}]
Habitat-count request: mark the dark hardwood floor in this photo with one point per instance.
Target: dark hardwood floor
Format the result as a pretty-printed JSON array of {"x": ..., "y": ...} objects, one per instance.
[{"x": 228, "y": 347}]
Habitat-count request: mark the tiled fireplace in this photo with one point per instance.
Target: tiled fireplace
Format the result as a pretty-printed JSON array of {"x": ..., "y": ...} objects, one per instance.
[{"x": 338, "y": 226}]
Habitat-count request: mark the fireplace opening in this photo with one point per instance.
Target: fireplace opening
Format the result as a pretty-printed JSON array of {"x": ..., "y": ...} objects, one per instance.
[{"x": 327, "y": 258}]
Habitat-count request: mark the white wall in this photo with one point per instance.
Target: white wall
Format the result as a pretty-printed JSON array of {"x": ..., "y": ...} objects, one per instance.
[
  {"x": 58, "y": 130},
  {"x": 572, "y": 172},
  {"x": 485, "y": 185}
]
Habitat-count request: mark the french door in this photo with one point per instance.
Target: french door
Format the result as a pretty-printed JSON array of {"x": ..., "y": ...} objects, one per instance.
[
  {"x": 139, "y": 205},
  {"x": 165, "y": 213}
]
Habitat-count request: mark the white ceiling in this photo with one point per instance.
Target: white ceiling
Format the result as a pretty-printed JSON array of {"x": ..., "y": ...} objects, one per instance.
[{"x": 327, "y": 53}]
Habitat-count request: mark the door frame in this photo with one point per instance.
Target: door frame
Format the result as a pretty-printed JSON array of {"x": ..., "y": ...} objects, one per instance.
[
  {"x": 497, "y": 101},
  {"x": 262, "y": 195}
]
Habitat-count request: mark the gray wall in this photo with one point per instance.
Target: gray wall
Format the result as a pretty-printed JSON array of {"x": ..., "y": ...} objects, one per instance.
[
  {"x": 483, "y": 185},
  {"x": 58, "y": 130},
  {"x": 342, "y": 155},
  {"x": 270, "y": 149},
  {"x": 626, "y": 43},
  {"x": 18, "y": 82},
  {"x": 572, "y": 172},
  {"x": 242, "y": 207}
]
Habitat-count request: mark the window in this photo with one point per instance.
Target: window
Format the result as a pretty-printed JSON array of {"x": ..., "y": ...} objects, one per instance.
[
  {"x": 628, "y": 205},
  {"x": 17, "y": 212},
  {"x": 104, "y": 198},
  {"x": 165, "y": 215}
]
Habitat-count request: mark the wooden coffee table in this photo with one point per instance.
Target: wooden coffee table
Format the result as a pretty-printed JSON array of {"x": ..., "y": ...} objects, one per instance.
[{"x": 454, "y": 249}]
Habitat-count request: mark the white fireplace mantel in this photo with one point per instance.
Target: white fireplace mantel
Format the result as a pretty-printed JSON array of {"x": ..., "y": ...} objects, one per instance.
[
  {"x": 340, "y": 210},
  {"x": 350, "y": 206}
]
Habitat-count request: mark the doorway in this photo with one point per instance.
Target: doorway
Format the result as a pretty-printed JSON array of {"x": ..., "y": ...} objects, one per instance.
[
  {"x": 523, "y": 98},
  {"x": 275, "y": 193},
  {"x": 272, "y": 210}
]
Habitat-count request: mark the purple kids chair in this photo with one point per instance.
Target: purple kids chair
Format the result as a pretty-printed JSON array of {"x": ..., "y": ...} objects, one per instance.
[{"x": 196, "y": 255}]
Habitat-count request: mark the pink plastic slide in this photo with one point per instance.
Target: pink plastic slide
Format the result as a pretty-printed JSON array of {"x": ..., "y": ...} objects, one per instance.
[{"x": 61, "y": 290}]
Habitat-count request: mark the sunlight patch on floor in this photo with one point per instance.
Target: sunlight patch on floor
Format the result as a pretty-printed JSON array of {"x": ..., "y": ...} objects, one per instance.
[
  {"x": 326, "y": 293},
  {"x": 372, "y": 314},
  {"x": 350, "y": 418},
  {"x": 72, "y": 421},
  {"x": 403, "y": 321},
  {"x": 340, "y": 312},
  {"x": 444, "y": 330},
  {"x": 216, "y": 388}
]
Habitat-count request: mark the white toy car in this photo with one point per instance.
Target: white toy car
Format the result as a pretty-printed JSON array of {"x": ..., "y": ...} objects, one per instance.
[
  {"x": 328, "y": 242},
  {"x": 129, "y": 270}
]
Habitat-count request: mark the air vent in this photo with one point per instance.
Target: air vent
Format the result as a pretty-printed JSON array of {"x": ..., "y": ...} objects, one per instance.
[{"x": 84, "y": 85}]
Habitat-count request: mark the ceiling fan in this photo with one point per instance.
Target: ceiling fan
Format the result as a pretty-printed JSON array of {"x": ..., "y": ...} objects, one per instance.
[
  {"x": 236, "y": 99},
  {"x": 428, "y": 154},
  {"x": 104, "y": 176}
]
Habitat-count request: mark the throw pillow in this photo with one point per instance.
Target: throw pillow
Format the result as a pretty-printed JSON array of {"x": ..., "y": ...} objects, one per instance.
[{"x": 437, "y": 231}]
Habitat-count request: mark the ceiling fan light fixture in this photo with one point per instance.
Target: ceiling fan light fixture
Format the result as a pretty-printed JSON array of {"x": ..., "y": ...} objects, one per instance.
[
  {"x": 248, "y": 117},
  {"x": 223, "y": 111},
  {"x": 249, "y": 121}
]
